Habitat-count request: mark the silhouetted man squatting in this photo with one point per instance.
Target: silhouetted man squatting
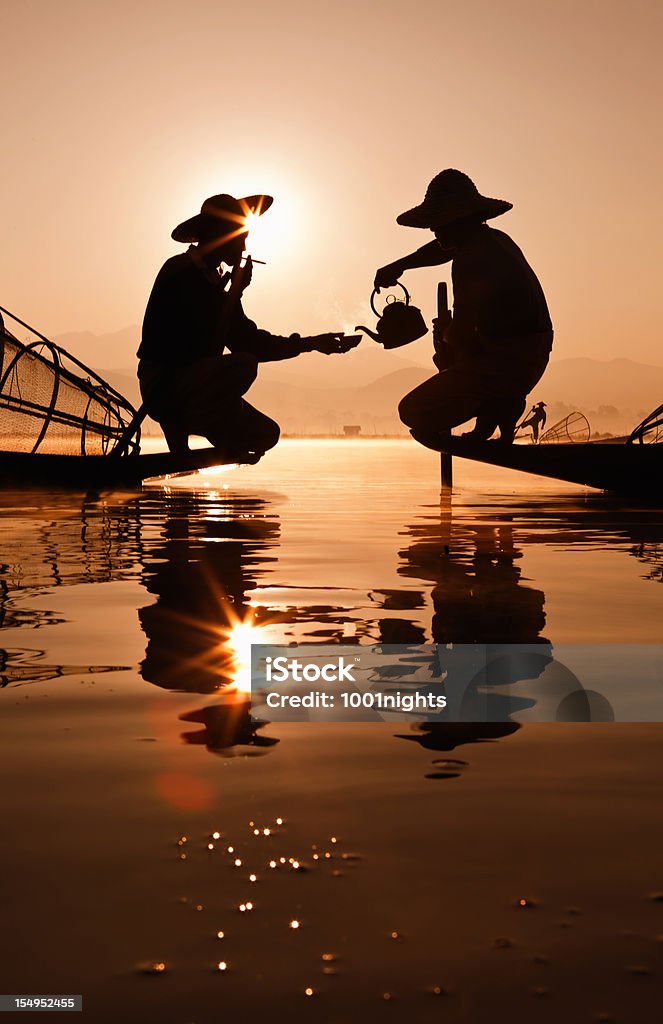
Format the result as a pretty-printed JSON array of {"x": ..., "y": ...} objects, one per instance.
[
  {"x": 188, "y": 385},
  {"x": 498, "y": 342}
]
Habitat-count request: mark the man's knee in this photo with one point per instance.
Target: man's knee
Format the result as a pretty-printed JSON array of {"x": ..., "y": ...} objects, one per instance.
[
  {"x": 422, "y": 406},
  {"x": 408, "y": 411},
  {"x": 270, "y": 434},
  {"x": 418, "y": 414}
]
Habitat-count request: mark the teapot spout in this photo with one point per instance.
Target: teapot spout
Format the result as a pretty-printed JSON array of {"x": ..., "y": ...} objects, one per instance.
[{"x": 371, "y": 334}]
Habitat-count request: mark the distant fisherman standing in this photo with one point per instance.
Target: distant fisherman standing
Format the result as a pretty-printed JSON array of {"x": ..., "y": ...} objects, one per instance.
[
  {"x": 497, "y": 344},
  {"x": 536, "y": 420},
  {"x": 188, "y": 385}
]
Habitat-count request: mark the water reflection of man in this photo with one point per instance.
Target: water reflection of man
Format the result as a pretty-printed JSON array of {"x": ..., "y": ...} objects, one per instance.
[
  {"x": 226, "y": 726},
  {"x": 478, "y": 598},
  {"x": 200, "y": 574}
]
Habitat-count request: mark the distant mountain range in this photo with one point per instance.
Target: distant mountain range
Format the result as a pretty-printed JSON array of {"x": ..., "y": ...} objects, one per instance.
[
  {"x": 321, "y": 394},
  {"x": 111, "y": 351},
  {"x": 614, "y": 395}
]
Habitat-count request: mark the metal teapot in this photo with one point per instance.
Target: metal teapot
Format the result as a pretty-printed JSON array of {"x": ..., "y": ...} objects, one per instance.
[{"x": 399, "y": 324}]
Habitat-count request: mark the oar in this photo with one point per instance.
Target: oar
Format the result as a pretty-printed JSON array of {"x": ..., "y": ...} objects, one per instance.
[
  {"x": 125, "y": 440},
  {"x": 446, "y": 464}
]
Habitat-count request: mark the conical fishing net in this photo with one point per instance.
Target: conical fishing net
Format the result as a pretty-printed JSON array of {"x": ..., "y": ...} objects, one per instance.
[
  {"x": 52, "y": 404},
  {"x": 574, "y": 427}
]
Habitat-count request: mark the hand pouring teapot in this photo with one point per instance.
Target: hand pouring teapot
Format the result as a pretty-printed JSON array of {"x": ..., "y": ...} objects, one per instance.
[{"x": 399, "y": 324}]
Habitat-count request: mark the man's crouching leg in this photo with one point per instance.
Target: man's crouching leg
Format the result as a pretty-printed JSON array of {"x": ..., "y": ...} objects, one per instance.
[
  {"x": 440, "y": 403},
  {"x": 503, "y": 412},
  {"x": 244, "y": 430},
  {"x": 177, "y": 438},
  {"x": 260, "y": 431},
  {"x": 239, "y": 370},
  {"x": 422, "y": 410},
  {"x": 507, "y": 421}
]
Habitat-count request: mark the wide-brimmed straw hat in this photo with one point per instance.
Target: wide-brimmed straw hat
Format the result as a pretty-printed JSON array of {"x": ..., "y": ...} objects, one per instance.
[
  {"x": 217, "y": 210},
  {"x": 451, "y": 196}
]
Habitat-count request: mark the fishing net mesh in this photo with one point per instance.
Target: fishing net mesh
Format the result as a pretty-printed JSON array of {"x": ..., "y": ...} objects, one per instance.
[
  {"x": 650, "y": 431},
  {"x": 46, "y": 408},
  {"x": 574, "y": 427}
]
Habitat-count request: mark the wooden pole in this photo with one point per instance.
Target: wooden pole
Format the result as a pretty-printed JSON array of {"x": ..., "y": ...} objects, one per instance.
[
  {"x": 443, "y": 316},
  {"x": 122, "y": 445}
]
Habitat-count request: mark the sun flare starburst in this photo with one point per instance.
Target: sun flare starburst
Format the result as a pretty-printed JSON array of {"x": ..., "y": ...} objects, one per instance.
[{"x": 237, "y": 638}]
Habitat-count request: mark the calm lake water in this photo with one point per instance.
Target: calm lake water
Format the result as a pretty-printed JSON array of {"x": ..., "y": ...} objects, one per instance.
[{"x": 123, "y": 617}]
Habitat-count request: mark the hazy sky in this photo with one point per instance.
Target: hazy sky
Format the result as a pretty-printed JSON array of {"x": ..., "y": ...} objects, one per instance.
[{"x": 119, "y": 118}]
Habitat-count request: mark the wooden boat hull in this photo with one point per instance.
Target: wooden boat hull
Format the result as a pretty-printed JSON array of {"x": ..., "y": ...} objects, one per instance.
[
  {"x": 106, "y": 470},
  {"x": 629, "y": 469}
]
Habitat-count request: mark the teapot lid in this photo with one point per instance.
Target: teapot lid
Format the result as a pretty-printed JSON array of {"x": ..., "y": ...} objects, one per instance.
[{"x": 387, "y": 302}]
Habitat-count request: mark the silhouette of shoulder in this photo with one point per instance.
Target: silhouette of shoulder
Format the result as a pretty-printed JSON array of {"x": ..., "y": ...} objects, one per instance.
[
  {"x": 491, "y": 245},
  {"x": 175, "y": 267},
  {"x": 495, "y": 286},
  {"x": 183, "y": 304}
]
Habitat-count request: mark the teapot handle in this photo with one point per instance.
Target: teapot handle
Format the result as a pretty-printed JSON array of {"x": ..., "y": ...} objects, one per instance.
[{"x": 375, "y": 291}]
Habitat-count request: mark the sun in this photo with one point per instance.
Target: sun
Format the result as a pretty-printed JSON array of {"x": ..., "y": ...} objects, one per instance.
[
  {"x": 283, "y": 234},
  {"x": 253, "y": 223},
  {"x": 263, "y": 235},
  {"x": 276, "y": 235}
]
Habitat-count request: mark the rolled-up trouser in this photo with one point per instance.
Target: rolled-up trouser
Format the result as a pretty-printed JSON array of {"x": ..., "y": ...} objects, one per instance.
[
  {"x": 205, "y": 398},
  {"x": 491, "y": 384}
]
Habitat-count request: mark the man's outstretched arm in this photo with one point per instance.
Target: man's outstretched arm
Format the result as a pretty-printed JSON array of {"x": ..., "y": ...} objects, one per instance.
[
  {"x": 246, "y": 336},
  {"x": 269, "y": 348},
  {"x": 429, "y": 255},
  {"x": 241, "y": 334}
]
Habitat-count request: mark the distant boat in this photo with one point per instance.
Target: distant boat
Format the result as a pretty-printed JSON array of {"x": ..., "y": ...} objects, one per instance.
[{"x": 60, "y": 422}]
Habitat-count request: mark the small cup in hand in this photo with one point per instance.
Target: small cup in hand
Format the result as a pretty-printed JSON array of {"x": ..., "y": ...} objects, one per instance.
[{"x": 332, "y": 344}]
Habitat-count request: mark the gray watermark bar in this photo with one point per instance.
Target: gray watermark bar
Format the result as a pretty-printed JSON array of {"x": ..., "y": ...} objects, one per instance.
[
  {"x": 38, "y": 1003},
  {"x": 458, "y": 683}
]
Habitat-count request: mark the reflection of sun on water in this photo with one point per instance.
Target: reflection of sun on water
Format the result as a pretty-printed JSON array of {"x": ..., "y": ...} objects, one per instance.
[{"x": 238, "y": 638}]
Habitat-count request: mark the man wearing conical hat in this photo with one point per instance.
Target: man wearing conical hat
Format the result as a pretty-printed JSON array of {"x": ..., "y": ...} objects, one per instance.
[
  {"x": 496, "y": 346},
  {"x": 535, "y": 419},
  {"x": 189, "y": 384}
]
